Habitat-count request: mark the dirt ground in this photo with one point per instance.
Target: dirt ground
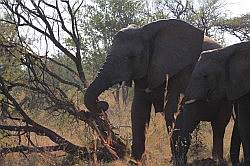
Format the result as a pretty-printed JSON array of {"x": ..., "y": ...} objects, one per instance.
[{"x": 157, "y": 142}]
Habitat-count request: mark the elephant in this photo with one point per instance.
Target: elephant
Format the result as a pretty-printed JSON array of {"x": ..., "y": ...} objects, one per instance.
[
  {"x": 220, "y": 76},
  {"x": 217, "y": 113},
  {"x": 145, "y": 55}
]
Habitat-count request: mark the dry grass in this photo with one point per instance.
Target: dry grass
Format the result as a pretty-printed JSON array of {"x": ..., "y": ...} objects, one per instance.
[{"x": 157, "y": 142}]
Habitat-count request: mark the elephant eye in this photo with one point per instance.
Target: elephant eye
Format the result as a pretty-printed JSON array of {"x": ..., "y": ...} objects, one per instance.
[
  {"x": 131, "y": 56},
  {"x": 204, "y": 75}
]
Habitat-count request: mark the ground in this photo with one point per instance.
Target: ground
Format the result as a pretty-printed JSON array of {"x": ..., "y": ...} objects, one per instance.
[{"x": 157, "y": 143}]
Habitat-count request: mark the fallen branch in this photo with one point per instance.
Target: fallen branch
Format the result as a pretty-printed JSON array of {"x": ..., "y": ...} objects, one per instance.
[{"x": 27, "y": 149}]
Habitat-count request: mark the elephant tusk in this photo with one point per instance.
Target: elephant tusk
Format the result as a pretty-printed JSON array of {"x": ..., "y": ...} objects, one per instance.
[
  {"x": 148, "y": 90},
  {"x": 190, "y": 101}
]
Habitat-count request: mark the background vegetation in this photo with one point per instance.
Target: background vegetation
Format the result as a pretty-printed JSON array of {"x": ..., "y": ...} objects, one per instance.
[{"x": 49, "y": 53}]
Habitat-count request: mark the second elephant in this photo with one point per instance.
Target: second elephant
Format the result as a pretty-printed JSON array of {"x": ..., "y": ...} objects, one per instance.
[{"x": 223, "y": 75}]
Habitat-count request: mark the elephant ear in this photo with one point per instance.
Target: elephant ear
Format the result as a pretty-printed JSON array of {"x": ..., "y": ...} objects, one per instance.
[
  {"x": 175, "y": 45},
  {"x": 238, "y": 69}
]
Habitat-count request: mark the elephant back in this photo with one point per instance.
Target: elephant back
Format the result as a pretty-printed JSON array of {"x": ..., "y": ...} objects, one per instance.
[{"x": 238, "y": 70}]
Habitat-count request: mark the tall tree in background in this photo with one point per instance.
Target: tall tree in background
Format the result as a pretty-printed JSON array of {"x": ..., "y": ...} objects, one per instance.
[
  {"x": 178, "y": 9},
  {"x": 237, "y": 26},
  {"x": 54, "y": 21},
  {"x": 101, "y": 21},
  {"x": 200, "y": 13},
  {"x": 207, "y": 13}
]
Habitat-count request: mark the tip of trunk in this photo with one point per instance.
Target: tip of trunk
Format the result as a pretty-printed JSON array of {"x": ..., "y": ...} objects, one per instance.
[{"x": 92, "y": 93}]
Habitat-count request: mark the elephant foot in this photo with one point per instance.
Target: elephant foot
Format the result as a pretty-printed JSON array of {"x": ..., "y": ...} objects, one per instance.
[
  {"x": 133, "y": 162},
  {"x": 220, "y": 161},
  {"x": 236, "y": 164},
  {"x": 180, "y": 161},
  {"x": 139, "y": 162},
  {"x": 206, "y": 161}
]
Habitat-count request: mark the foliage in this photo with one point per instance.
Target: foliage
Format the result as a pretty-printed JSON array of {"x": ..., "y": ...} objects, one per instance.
[
  {"x": 237, "y": 26},
  {"x": 46, "y": 81},
  {"x": 8, "y": 36},
  {"x": 100, "y": 22},
  {"x": 200, "y": 13},
  {"x": 175, "y": 8}
]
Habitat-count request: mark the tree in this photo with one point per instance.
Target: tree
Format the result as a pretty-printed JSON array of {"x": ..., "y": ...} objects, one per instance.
[
  {"x": 175, "y": 8},
  {"x": 237, "y": 26},
  {"x": 101, "y": 21},
  {"x": 207, "y": 13},
  {"x": 52, "y": 20},
  {"x": 202, "y": 14}
]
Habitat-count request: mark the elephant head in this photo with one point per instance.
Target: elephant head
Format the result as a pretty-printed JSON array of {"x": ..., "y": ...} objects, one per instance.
[
  {"x": 152, "y": 51},
  {"x": 221, "y": 73}
]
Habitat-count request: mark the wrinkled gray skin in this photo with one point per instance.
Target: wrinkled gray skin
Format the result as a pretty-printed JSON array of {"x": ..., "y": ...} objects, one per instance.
[
  {"x": 146, "y": 55},
  {"x": 178, "y": 83},
  {"x": 223, "y": 74},
  {"x": 176, "y": 87}
]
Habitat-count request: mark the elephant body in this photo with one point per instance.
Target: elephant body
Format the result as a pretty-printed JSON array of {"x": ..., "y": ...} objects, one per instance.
[
  {"x": 223, "y": 75},
  {"x": 146, "y": 55}
]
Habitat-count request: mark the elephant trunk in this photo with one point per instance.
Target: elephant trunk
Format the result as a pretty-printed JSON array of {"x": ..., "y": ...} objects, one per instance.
[
  {"x": 107, "y": 77},
  {"x": 94, "y": 90}
]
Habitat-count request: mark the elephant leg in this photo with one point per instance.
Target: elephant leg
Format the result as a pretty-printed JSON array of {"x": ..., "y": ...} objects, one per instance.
[
  {"x": 244, "y": 127},
  {"x": 218, "y": 126},
  {"x": 235, "y": 145},
  {"x": 187, "y": 122},
  {"x": 190, "y": 118},
  {"x": 140, "y": 116},
  {"x": 172, "y": 100},
  {"x": 218, "y": 135},
  {"x": 235, "y": 141}
]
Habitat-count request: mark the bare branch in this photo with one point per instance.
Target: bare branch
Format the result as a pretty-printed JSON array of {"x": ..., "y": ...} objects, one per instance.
[{"x": 41, "y": 79}]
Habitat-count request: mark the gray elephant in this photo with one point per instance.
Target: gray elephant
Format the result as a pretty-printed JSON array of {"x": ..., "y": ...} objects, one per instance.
[
  {"x": 219, "y": 76},
  {"x": 145, "y": 55},
  {"x": 217, "y": 113}
]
